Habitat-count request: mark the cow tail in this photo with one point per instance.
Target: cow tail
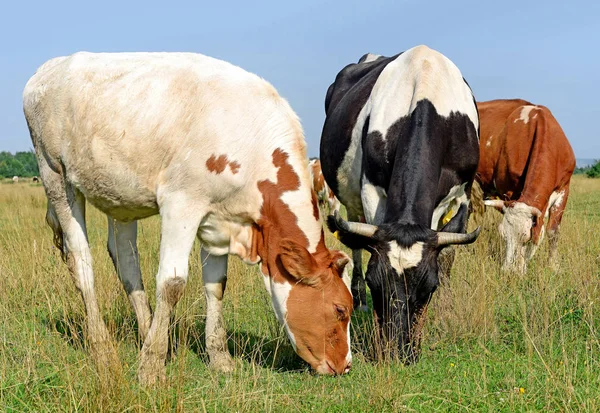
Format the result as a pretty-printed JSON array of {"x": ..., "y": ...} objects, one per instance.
[{"x": 52, "y": 221}]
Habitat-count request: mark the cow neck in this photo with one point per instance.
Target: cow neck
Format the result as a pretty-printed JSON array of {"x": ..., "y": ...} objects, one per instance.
[{"x": 279, "y": 220}]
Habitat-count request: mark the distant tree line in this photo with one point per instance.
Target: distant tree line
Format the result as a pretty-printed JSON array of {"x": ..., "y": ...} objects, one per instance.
[
  {"x": 592, "y": 171},
  {"x": 22, "y": 164}
]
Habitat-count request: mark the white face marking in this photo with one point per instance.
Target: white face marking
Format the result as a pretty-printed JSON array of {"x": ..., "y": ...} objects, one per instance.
[
  {"x": 451, "y": 203},
  {"x": 524, "y": 116},
  {"x": 280, "y": 293},
  {"x": 489, "y": 142},
  {"x": 515, "y": 228},
  {"x": 349, "y": 355},
  {"x": 404, "y": 258}
]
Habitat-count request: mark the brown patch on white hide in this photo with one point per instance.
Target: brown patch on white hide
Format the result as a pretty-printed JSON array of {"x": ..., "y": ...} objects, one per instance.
[{"x": 218, "y": 164}]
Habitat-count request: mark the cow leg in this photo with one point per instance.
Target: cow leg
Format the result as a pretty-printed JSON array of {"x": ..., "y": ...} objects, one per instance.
[
  {"x": 374, "y": 202},
  {"x": 122, "y": 247},
  {"x": 445, "y": 262},
  {"x": 357, "y": 286},
  {"x": 554, "y": 219},
  {"x": 178, "y": 230},
  {"x": 214, "y": 275},
  {"x": 66, "y": 216}
]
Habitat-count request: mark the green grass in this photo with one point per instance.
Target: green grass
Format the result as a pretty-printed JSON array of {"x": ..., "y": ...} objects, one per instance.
[{"x": 492, "y": 342}]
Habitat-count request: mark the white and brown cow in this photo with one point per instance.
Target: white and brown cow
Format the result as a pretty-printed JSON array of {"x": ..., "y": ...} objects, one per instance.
[
  {"x": 526, "y": 161},
  {"x": 221, "y": 157},
  {"x": 324, "y": 194}
]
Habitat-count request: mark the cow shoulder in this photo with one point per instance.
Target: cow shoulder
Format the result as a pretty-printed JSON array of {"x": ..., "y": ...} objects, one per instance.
[
  {"x": 345, "y": 100},
  {"x": 351, "y": 75}
]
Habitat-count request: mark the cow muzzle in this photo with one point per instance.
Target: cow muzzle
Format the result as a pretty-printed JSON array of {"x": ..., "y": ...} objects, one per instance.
[{"x": 327, "y": 367}]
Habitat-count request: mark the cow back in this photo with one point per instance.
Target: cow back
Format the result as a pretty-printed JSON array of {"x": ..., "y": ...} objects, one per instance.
[{"x": 524, "y": 152}]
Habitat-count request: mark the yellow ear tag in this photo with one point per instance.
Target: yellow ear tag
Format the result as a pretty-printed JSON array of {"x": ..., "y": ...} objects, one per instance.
[
  {"x": 447, "y": 217},
  {"x": 336, "y": 234}
]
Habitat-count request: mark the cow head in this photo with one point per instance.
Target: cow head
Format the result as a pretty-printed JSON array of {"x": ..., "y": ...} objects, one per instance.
[
  {"x": 314, "y": 304},
  {"x": 307, "y": 288},
  {"x": 517, "y": 230},
  {"x": 402, "y": 274}
]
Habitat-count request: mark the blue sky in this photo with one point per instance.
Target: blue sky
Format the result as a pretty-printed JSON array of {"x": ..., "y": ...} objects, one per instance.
[{"x": 547, "y": 52}]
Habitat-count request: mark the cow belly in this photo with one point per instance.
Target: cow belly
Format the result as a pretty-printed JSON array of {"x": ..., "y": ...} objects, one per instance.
[
  {"x": 115, "y": 190},
  {"x": 123, "y": 203}
]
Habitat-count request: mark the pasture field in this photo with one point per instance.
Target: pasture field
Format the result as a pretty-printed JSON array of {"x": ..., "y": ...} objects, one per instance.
[{"x": 493, "y": 341}]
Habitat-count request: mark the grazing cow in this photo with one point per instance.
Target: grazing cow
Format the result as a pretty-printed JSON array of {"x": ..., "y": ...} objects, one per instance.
[
  {"x": 526, "y": 161},
  {"x": 15, "y": 179},
  {"x": 35, "y": 180},
  {"x": 220, "y": 156},
  {"x": 400, "y": 148},
  {"x": 324, "y": 193}
]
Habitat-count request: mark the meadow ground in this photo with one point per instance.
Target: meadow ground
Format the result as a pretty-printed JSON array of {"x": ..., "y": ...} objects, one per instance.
[{"x": 492, "y": 342}]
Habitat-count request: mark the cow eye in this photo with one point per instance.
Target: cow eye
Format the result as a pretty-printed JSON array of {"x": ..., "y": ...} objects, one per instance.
[{"x": 341, "y": 312}]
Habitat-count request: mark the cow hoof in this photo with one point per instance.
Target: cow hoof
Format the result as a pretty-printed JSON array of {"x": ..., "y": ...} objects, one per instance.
[
  {"x": 223, "y": 363},
  {"x": 363, "y": 308}
]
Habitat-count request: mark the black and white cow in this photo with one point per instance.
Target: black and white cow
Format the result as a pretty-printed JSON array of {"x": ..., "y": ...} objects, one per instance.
[{"x": 400, "y": 149}]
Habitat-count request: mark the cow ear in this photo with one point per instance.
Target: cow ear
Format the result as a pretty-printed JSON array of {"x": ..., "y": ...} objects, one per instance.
[
  {"x": 339, "y": 261},
  {"x": 342, "y": 265},
  {"x": 298, "y": 262}
]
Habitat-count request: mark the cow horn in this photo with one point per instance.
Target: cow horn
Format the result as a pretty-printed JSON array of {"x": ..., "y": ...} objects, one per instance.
[
  {"x": 359, "y": 228},
  {"x": 496, "y": 203},
  {"x": 535, "y": 211},
  {"x": 450, "y": 238}
]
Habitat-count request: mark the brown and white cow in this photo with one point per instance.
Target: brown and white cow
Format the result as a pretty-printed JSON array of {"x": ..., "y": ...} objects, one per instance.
[
  {"x": 325, "y": 195},
  {"x": 221, "y": 157},
  {"x": 526, "y": 162}
]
